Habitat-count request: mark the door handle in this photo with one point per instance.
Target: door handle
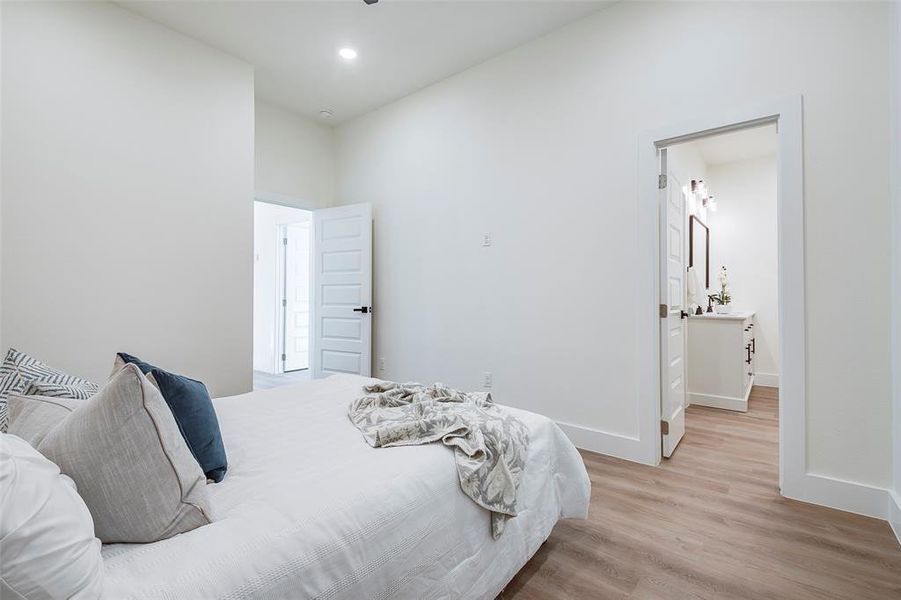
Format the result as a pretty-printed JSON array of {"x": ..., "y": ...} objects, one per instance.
[
  {"x": 363, "y": 309},
  {"x": 748, "y": 348},
  {"x": 684, "y": 314}
]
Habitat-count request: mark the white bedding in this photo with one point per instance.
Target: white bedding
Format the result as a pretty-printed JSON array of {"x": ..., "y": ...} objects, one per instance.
[{"x": 309, "y": 510}]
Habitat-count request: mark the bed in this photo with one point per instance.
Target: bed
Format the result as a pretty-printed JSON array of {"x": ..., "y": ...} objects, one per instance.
[{"x": 309, "y": 510}]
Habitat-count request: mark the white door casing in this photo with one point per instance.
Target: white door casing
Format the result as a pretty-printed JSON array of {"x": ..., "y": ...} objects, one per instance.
[
  {"x": 342, "y": 290},
  {"x": 672, "y": 322},
  {"x": 296, "y": 297}
]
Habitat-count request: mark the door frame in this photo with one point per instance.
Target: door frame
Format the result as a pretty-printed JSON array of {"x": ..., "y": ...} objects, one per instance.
[
  {"x": 281, "y": 292},
  {"x": 787, "y": 114},
  {"x": 281, "y": 283}
]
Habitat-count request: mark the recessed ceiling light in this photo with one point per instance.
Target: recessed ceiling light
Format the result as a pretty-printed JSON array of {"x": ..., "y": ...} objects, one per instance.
[
  {"x": 347, "y": 53},
  {"x": 326, "y": 114}
]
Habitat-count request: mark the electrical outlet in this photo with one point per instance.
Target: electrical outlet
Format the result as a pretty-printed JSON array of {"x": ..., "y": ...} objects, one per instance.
[
  {"x": 382, "y": 365},
  {"x": 486, "y": 238},
  {"x": 486, "y": 379}
]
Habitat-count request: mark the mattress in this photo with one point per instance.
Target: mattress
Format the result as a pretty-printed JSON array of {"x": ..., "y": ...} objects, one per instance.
[{"x": 309, "y": 510}]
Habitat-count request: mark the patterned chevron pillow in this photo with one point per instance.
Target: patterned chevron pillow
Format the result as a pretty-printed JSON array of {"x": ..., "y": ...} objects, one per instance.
[
  {"x": 19, "y": 370},
  {"x": 75, "y": 391}
]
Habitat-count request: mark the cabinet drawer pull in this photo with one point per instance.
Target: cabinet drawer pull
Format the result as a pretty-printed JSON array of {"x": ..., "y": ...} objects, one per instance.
[{"x": 748, "y": 349}]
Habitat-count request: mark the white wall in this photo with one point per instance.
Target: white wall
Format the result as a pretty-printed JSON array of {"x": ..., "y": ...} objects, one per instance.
[
  {"x": 2, "y": 346},
  {"x": 127, "y": 194},
  {"x": 539, "y": 146},
  {"x": 743, "y": 238},
  {"x": 267, "y": 218},
  {"x": 895, "y": 157},
  {"x": 295, "y": 158}
]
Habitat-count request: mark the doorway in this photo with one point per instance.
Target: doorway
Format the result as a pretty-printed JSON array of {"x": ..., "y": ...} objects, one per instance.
[
  {"x": 786, "y": 114},
  {"x": 312, "y": 291},
  {"x": 719, "y": 277},
  {"x": 281, "y": 294}
]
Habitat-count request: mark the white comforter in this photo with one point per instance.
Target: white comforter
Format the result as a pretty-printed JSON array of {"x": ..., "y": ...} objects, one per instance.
[{"x": 309, "y": 510}]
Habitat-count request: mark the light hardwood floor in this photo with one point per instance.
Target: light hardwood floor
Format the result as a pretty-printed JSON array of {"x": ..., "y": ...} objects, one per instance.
[{"x": 710, "y": 523}]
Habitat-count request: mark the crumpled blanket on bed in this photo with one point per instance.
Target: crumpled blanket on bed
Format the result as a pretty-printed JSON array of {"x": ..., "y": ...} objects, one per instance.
[{"x": 489, "y": 443}]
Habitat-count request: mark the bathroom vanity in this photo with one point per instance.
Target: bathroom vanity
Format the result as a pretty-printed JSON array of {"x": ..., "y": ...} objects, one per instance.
[{"x": 721, "y": 359}]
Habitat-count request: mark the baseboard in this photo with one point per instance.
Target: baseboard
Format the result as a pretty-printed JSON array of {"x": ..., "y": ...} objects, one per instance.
[
  {"x": 894, "y": 514},
  {"x": 724, "y": 402},
  {"x": 766, "y": 379},
  {"x": 858, "y": 498},
  {"x": 602, "y": 442}
]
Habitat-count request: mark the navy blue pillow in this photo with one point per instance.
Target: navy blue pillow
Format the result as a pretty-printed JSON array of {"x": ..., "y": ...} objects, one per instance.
[{"x": 190, "y": 403}]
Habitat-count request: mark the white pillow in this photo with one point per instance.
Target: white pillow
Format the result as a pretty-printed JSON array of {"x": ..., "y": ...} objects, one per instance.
[{"x": 47, "y": 544}]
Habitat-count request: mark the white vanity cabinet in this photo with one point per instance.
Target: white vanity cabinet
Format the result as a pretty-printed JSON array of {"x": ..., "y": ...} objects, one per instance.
[{"x": 721, "y": 359}]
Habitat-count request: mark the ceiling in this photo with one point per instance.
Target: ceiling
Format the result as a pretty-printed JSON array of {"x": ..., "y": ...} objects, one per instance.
[
  {"x": 743, "y": 144},
  {"x": 403, "y": 46}
]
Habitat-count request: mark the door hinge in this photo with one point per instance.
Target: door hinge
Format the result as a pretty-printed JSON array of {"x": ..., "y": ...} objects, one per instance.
[
  {"x": 664, "y": 311},
  {"x": 661, "y": 181},
  {"x": 664, "y": 427},
  {"x": 284, "y": 357},
  {"x": 284, "y": 241},
  {"x": 284, "y": 302}
]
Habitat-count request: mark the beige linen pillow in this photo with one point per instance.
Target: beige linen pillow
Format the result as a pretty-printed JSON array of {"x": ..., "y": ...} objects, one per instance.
[
  {"x": 32, "y": 417},
  {"x": 130, "y": 463}
]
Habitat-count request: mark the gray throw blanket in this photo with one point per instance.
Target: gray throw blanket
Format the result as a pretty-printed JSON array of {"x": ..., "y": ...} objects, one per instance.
[{"x": 489, "y": 443}]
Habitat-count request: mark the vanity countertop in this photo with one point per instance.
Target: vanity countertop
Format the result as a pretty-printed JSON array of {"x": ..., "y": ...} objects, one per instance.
[{"x": 736, "y": 315}]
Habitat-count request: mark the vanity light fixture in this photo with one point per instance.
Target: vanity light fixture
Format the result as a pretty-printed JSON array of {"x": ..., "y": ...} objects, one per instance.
[{"x": 700, "y": 192}]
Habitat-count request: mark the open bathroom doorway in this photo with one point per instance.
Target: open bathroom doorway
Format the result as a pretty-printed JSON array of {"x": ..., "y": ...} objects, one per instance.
[
  {"x": 721, "y": 334},
  {"x": 776, "y": 450}
]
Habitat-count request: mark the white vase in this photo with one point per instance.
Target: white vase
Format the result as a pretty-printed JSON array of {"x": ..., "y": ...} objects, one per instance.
[{"x": 723, "y": 309}]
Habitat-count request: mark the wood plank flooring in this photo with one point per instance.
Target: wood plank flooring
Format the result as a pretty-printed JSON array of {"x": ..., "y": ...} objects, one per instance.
[{"x": 710, "y": 523}]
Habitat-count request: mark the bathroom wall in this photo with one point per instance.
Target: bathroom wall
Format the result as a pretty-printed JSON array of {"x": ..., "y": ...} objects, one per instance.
[{"x": 743, "y": 238}]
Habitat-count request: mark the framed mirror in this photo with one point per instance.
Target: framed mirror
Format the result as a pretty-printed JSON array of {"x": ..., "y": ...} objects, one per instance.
[{"x": 699, "y": 247}]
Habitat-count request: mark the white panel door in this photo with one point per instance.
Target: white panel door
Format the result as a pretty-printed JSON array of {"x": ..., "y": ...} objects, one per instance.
[
  {"x": 342, "y": 290},
  {"x": 673, "y": 311},
  {"x": 296, "y": 299}
]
